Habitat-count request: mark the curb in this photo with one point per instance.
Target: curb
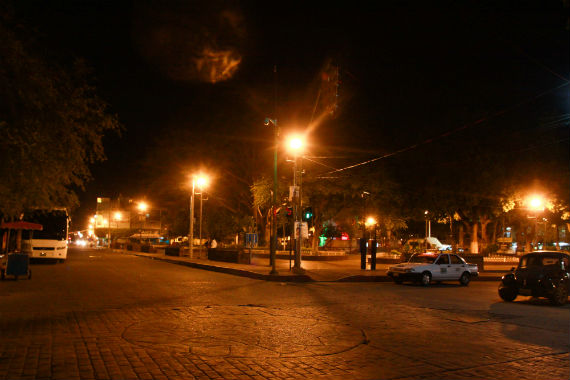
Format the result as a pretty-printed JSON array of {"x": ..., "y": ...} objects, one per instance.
[
  {"x": 233, "y": 271},
  {"x": 380, "y": 278},
  {"x": 288, "y": 278}
]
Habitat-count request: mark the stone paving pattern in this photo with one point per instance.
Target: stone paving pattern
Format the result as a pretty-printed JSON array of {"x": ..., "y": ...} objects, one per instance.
[{"x": 224, "y": 327}]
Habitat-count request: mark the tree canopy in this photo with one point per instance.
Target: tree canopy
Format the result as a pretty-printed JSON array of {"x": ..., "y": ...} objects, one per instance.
[{"x": 51, "y": 126}]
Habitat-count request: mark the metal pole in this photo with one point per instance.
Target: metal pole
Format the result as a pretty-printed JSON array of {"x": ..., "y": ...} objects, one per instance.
[
  {"x": 191, "y": 234},
  {"x": 109, "y": 223},
  {"x": 201, "y": 196},
  {"x": 273, "y": 242},
  {"x": 297, "y": 266}
]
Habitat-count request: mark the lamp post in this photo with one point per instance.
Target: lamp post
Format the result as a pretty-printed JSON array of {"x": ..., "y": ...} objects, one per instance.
[
  {"x": 536, "y": 204},
  {"x": 202, "y": 182},
  {"x": 371, "y": 222},
  {"x": 116, "y": 217},
  {"x": 109, "y": 224},
  {"x": 296, "y": 146},
  {"x": 428, "y": 224},
  {"x": 191, "y": 232},
  {"x": 142, "y": 206},
  {"x": 273, "y": 237}
]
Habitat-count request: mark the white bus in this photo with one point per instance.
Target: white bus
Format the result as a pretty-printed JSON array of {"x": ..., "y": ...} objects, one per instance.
[{"x": 51, "y": 241}]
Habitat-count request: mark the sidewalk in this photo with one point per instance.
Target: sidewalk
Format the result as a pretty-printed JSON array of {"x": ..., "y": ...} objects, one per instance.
[{"x": 347, "y": 270}]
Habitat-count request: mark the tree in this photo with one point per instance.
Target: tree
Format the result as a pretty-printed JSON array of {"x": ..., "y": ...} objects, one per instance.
[
  {"x": 261, "y": 190},
  {"x": 51, "y": 128}
]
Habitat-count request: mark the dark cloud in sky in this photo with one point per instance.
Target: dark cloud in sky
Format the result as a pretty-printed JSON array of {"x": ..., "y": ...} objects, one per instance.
[{"x": 190, "y": 41}]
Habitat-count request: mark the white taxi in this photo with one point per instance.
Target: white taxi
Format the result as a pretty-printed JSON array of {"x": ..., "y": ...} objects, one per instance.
[{"x": 428, "y": 267}]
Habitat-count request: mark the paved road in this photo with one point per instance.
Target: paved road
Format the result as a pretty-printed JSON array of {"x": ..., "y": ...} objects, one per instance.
[{"x": 113, "y": 316}]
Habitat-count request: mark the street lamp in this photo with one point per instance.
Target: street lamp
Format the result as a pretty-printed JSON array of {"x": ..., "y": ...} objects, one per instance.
[
  {"x": 273, "y": 238},
  {"x": 191, "y": 232},
  {"x": 296, "y": 146},
  {"x": 202, "y": 181},
  {"x": 371, "y": 223},
  {"x": 535, "y": 203},
  {"x": 142, "y": 206},
  {"x": 428, "y": 224},
  {"x": 116, "y": 216}
]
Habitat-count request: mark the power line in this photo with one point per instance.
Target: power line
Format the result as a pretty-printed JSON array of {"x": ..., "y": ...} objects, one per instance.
[{"x": 450, "y": 132}]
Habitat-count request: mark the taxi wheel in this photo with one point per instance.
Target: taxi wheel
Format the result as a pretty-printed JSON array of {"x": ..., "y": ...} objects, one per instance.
[
  {"x": 426, "y": 278},
  {"x": 508, "y": 294},
  {"x": 464, "y": 279}
]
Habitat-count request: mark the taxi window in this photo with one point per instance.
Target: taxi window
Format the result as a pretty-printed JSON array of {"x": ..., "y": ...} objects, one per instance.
[
  {"x": 530, "y": 261},
  {"x": 550, "y": 261},
  {"x": 443, "y": 259},
  {"x": 427, "y": 259},
  {"x": 455, "y": 259}
]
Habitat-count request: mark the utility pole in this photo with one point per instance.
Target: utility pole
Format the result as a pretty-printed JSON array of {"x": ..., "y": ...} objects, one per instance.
[
  {"x": 191, "y": 232},
  {"x": 273, "y": 237},
  {"x": 201, "y": 208}
]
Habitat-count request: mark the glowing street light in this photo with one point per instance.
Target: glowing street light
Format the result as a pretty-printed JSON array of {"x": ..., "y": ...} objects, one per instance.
[
  {"x": 273, "y": 232},
  {"x": 428, "y": 225},
  {"x": 201, "y": 181},
  {"x": 116, "y": 216},
  {"x": 371, "y": 223},
  {"x": 142, "y": 206},
  {"x": 536, "y": 203},
  {"x": 296, "y": 145}
]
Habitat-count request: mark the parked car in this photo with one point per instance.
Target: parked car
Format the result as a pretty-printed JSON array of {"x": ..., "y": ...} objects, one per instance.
[
  {"x": 433, "y": 266},
  {"x": 539, "y": 274},
  {"x": 429, "y": 243}
]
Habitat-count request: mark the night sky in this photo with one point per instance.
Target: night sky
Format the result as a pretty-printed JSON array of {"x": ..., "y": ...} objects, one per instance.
[{"x": 409, "y": 73}]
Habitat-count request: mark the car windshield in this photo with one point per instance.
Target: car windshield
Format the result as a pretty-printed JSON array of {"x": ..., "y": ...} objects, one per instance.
[
  {"x": 538, "y": 261},
  {"x": 424, "y": 259}
]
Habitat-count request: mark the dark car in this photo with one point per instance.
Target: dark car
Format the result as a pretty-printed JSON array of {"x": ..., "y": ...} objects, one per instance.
[{"x": 539, "y": 274}]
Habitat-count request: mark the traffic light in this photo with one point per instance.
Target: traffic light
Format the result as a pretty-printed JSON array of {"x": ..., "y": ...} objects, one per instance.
[
  {"x": 307, "y": 214},
  {"x": 289, "y": 212}
]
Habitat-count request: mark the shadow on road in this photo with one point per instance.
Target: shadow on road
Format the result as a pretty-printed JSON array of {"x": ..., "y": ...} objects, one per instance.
[
  {"x": 43, "y": 261},
  {"x": 534, "y": 321},
  {"x": 433, "y": 285}
]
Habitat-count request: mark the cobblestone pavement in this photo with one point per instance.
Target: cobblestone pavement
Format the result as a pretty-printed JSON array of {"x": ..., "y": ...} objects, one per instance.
[{"x": 103, "y": 316}]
